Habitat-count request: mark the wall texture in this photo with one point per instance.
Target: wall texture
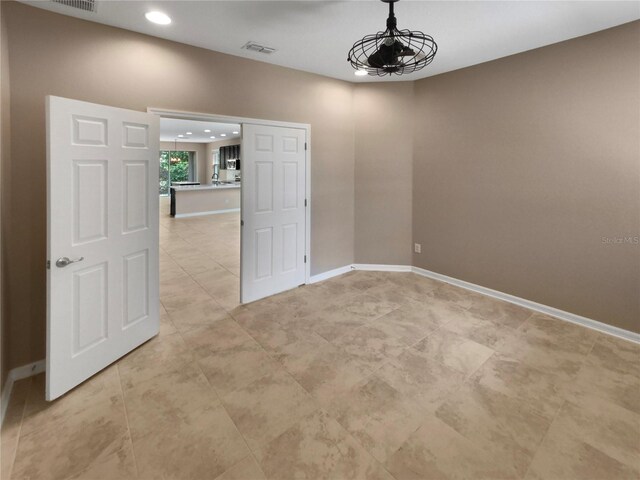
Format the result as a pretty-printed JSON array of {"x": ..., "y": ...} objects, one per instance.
[
  {"x": 200, "y": 150},
  {"x": 384, "y": 155},
  {"x": 57, "y": 55},
  {"x": 522, "y": 165},
  {"x": 5, "y": 198}
]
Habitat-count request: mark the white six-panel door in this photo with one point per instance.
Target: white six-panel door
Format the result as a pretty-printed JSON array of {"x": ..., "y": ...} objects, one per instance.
[
  {"x": 273, "y": 210},
  {"x": 102, "y": 281}
]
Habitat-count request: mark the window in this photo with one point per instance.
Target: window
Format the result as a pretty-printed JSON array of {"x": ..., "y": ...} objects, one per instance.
[{"x": 175, "y": 166}]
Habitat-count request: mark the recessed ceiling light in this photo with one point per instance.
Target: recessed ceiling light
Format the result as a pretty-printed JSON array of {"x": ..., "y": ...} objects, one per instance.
[
  {"x": 223, "y": 134},
  {"x": 189, "y": 133},
  {"x": 236, "y": 133},
  {"x": 212, "y": 136},
  {"x": 207, "y": 131},
  {"x": 360, "y": 73},
  {"x": 158, "y": 17},
  {"x": 180, "y": 136}
]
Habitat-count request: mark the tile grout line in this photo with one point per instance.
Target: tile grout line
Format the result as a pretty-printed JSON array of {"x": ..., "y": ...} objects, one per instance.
[
  {"x": 126, "y": 416},
  {"x": 217, "y": 263},
  {"x": 24, "y": 409},
  {"x": 533, "y": 457},
  {"x": 466, "y": 379},
  {"x": 556, "y": 414},
  {"x": 319, "y": 407},
  {"x": 197, "y": 248},
  {"x": 197, "y": 362}
]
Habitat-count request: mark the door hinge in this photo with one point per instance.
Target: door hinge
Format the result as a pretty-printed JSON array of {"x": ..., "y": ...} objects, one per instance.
[
  {"x": 305, "y": 202},
  {"x": 305, "y": 145},
  {"x": 242, "y": 223},
  {"x": 48, "y": 264},
  {"x": 305, "y": 259}
]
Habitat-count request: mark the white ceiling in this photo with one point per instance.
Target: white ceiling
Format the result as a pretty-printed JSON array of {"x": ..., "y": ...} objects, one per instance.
[
  {"x": 315, "y": 36},
  {"x": 171, "y": 128}
]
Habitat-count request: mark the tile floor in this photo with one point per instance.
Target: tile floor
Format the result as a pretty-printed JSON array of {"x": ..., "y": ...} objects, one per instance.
[{"x": 368, "y": 375}]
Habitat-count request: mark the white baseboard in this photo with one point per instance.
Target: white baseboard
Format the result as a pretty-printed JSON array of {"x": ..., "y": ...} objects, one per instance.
[
  {"x": 14, "y": 375},
  {"x": 210, "y": 212},
  {"x": 382, "y": 267},
  {"x": 330, "y": 274},
  {"x": 538, "y": 307},
  {"x": 359, "y": 266}
]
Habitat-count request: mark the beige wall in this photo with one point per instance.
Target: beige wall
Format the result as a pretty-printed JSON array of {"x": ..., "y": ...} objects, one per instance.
[
  {"x": 58, "y": 55},
  {"x": 5, "y": 189},
  {"x": 200, "y": 150},
  {"x": 384, "y": 155},
  {"x": 523, "y": 164}
]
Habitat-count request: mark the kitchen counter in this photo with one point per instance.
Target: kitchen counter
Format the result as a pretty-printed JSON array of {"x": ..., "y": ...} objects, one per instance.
[
  {"x": 193, "y": 200},
  {"x": 186, "y": 188}
]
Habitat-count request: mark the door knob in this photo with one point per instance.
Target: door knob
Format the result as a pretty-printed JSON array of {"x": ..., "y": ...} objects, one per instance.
[{"x": 64, "y": 261}]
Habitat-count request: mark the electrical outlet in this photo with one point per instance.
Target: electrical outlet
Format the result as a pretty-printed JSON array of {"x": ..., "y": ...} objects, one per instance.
[{"x": 417, "y": 248}]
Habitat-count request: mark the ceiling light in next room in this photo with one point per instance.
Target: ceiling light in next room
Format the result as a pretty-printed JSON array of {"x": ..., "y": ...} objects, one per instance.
[
  {"x": 236, "y": 133},
  {"x": 180, "y": 136},
  {"x": 189, "y": 133},
  {"x": 212, "y": 136},
  {"x": 158, "y": 17},
  {"x": 223, "y": 134},
  {"x": 207, "y": 131}
]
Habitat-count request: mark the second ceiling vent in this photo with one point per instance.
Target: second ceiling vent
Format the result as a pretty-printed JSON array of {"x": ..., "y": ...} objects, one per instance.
[{"x": 256, "y": 47}]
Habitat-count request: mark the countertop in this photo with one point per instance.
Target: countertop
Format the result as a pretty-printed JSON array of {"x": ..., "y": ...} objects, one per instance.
[{"x": 189, "y": 188}]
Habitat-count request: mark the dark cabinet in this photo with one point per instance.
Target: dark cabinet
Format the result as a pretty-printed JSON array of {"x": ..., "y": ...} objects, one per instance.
[{"x": 230, "y": 152}]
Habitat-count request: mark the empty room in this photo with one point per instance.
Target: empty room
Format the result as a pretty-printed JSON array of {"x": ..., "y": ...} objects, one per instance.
[{"x": 366, "y": 239}]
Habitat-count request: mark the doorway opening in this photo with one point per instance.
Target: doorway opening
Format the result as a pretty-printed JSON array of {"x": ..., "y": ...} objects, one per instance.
[
  {"x": 199, "y": 187},
  {"x": 239, "y": 235},
  {"x": 110, "y": 261}
]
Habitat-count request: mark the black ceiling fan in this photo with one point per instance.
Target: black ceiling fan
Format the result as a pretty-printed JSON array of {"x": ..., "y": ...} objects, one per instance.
[{"x": 392, "y": 51}]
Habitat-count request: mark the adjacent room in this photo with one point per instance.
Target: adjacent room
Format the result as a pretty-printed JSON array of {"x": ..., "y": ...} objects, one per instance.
[
  {"x": 199, "y": 186},
  {"x": 320, "y": 240}
]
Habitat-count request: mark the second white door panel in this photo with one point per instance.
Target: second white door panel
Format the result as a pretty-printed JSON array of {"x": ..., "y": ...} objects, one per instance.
[{"x": 273, "y": 211}]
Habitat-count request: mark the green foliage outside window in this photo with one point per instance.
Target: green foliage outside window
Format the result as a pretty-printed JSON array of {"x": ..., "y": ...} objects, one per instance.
[{"x": 173, "y": 171}]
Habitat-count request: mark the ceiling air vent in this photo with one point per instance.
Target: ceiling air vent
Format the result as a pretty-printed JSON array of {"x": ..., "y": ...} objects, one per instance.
[
  {"x": 256, "y": 47},
  {"x": 86, "y": 5}
]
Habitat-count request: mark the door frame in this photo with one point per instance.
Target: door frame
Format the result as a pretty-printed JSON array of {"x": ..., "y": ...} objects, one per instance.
[{"x": 210, "y": 117}]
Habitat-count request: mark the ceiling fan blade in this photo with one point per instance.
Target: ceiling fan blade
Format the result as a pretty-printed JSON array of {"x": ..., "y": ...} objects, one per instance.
[
  {"x": 411, "y": 53},
  {"x": 419, "y": 56}
]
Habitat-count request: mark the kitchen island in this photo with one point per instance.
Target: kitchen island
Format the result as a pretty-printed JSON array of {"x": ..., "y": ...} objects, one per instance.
[{"x": 194, "y": 200}]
